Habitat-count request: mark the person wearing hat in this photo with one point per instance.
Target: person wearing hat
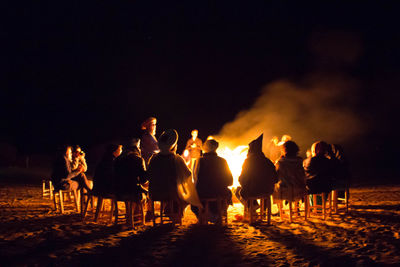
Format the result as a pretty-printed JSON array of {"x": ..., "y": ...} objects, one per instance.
[
  {"x": 149, "y": 144},
  {"x": 212, "y": 176},
  {"x": 166, "y": 169},
  {"x": 258, "y": 175},
  {"x": 130, "y": 172}
]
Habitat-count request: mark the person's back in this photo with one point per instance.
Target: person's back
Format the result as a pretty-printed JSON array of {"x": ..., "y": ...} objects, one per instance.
[
  {"x": 214, "y": 176},
  {"x": 129, "y": 173},
  {"x": 162, "y": 177},
  {"x": 258, "y": 172},
  {"x": 319, "y": 170},
  {"x": 291, "y": 185}
]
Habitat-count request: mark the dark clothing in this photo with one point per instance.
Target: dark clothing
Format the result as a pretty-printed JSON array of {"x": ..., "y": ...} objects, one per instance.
[
  {"x": 213, "y": 177},
  {"x": 164, "y": 172},
  {"x": 104, "y": 176},
  {"x": 129, "y": 174},
  {"x": 62, "y": 173},
  {"x": 319, "y": 174},
  {"x": 194, "y": 148},
  {"x": 148, "y": 146},
  {"x": 258, "y": 176}
]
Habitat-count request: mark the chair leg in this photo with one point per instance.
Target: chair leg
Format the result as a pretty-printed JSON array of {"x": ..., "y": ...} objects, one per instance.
[
  {"x": 268, "y": 200},
  {"x": 44, "y": 188},
  {"x": 154, "y": 214},
  {"x": 76, "y": 200},
  {"x": 324, "y": 205},
  {"x": 55, "y": 201},
  {"x": 51, "y": 189},
  {"x": 86, "y": 205},
  {"x": 306, "y": 207},
  {"x": 61, "y": 201},
  {"x": 98, "y": 208},
  {"x": 290, "y": 211}
]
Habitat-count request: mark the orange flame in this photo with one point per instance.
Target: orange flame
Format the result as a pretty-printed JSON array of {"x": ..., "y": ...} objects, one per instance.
[{"x": 235, "y": 159}]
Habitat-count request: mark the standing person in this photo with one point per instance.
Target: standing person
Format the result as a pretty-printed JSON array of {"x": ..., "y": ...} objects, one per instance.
[
  {"x": 62, "y": 173},
  {"x": 213, "y": 177},
  {"x": 104, "y": 177},
  {"x": 79, "y": 161},
  {"x": 166, "y": 170},
  {"x": 193, "y": 146},
  {"x": 149, "y": 144},
  {"x": 292, "y": 184},
  {"x": 258, "y": 175}
]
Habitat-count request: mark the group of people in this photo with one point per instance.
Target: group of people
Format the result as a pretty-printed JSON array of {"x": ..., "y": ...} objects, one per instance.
[{"x": 146, "y": 169}]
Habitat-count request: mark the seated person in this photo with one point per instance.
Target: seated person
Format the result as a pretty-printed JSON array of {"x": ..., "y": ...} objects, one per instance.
[
  {"x": 62, "y": 174},
  {"x": 130, "y": 173},
  {"x": 104, "y": 177},
  {"x": 319, "y": 169},
  {"x": 78, "y": 161},
  {"x": 213, "y": 178},
  {"x": 258, "y": 175},
  {"x": 166, "y": 169},
  {"x": 292, "y": 184}
]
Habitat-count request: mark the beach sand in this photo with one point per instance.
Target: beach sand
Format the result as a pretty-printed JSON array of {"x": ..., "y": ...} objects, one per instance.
[{"x": 32, "y": 233}]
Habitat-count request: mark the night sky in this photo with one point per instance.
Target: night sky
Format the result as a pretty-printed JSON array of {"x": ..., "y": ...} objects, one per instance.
[{"x": 89, "y": 73}]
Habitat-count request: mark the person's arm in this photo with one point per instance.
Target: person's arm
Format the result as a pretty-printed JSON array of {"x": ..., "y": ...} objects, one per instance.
[{"x": 83, "y": 163}]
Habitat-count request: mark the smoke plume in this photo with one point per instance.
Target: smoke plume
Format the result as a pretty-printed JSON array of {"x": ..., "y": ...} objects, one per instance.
[{"x": 322, "y": 107}]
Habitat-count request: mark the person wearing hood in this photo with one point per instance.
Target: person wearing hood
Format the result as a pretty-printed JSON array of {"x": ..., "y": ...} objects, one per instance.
[
  {"x": 212, "y": 176},
  {"x": 258, "y": 175},
  {"x": 167, "y": 169},
  {"x": 130, "y": 172},
  {"x": 292, "y": 184}
]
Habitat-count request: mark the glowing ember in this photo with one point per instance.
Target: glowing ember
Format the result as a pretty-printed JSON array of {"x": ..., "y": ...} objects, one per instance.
[{"x": 235, "y": 159}]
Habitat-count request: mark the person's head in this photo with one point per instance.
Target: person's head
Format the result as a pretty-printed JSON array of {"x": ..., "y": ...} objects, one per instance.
[
  {"x": 290, "y": 149},
  {"x": 132, "y": 144},
  {"x": 286, "y": 138},
  {"x": 114, "y": 149},
  {"x": 76, "y": 151},
  {"x": 319, "y": 148},
  {"x": 210, "y": 145},
  {"x": 255, "y": 146},
  {"x": 168, "y": 141},
  {"x": 149, "y": 125},
  {"x": 195, "y": 134}
]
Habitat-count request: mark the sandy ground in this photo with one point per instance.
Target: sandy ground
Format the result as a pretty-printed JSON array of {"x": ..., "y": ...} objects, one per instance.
[{"x": 31, "y": 233}]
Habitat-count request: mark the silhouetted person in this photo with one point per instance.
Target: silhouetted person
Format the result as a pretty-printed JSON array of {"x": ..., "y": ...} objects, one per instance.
[
  {"x": 104, "y": 177},
  {"x": 130, "y": 173},
  {"x": 213, "y": 177},
  {"x": 62, "y": 173},
  {"x": 292, "y": 184},
  {"x": 148, "y": 143},
  {"x": 166, "y": 169},
  {"x": 258, "y": 175},
  {"x": 319, "y": 169}
]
